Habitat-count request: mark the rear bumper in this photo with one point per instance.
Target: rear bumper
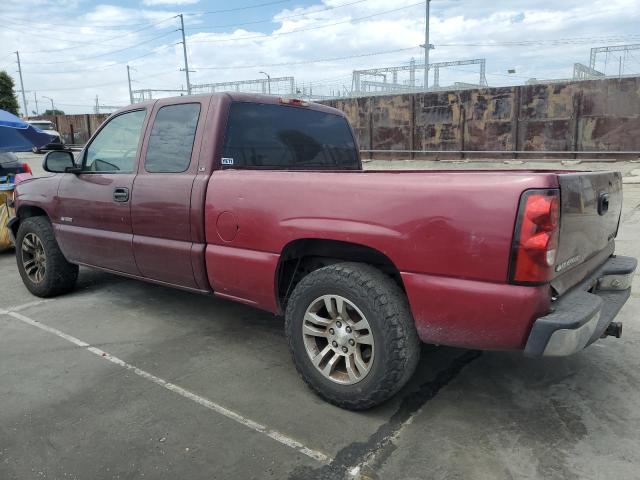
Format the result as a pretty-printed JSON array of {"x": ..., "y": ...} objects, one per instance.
[{"x": 583, "y": 314}]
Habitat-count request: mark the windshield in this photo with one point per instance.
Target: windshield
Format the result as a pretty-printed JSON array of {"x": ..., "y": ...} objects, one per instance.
[{"x": 43, "y": 125}]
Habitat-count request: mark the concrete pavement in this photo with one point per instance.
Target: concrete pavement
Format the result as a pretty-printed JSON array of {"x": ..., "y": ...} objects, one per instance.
[{"x": 69, "y": 410}]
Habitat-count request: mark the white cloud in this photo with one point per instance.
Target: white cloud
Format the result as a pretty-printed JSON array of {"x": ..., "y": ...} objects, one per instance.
[
  {"x": 153, "y": 3},
  {"x": 48, "y": 35}
]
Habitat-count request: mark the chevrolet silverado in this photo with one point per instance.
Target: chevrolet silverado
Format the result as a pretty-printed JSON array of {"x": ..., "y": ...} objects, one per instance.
[{"x": 264, "y": 201}]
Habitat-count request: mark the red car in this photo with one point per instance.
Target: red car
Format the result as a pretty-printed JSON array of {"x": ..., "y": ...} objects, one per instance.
[
  {"x": 10, "y": 164},
  {"x": 264, "y": 201}
]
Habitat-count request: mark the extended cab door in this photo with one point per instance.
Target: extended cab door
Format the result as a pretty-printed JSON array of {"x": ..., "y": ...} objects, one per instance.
[
  {"x": 94, "y": 209},
  {"x": 161, "y": 201}
]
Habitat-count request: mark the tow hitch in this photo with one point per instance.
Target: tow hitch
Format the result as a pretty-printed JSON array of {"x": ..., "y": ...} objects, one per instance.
[{"x": 613, "y": 330}]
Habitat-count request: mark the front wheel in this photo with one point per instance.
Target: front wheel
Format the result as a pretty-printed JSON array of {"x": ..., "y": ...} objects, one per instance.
[
  {"x": 351, "y": 334},
  {"x": 44, "y": 270}
]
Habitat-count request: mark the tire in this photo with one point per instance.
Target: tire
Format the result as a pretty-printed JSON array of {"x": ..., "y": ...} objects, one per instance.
[
  {"x": 36, "y": 247},
  {"x": 386, "y": 351}
]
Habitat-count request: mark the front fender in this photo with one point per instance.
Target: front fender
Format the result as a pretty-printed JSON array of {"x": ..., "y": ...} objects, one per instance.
[
  {"x": 38, "y": 193},
  {"x": 12, "y": 226}
]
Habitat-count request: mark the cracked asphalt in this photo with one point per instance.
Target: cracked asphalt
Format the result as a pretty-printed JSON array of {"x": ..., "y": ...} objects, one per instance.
[{"x": 68, "y": 413}]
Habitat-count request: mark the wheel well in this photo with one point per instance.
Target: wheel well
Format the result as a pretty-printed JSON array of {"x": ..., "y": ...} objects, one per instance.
[
  {"x": 26, "y": 212},
  {"x": 301, "y": 257}
]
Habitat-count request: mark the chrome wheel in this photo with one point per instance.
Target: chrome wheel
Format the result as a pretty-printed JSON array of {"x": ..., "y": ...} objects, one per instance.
[
  {"x": 34, "y": 259},
  {"x": 338, "y": 339}
]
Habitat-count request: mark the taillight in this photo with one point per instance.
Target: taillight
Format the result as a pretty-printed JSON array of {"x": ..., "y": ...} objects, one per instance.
[
  {"x": 26, "y": 168},
  {"x": 535, "y": 240},
  {"x": 296, "y": 102}
]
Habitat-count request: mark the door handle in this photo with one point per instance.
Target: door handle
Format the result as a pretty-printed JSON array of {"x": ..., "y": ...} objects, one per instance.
[{"x": 121, "y": 194}]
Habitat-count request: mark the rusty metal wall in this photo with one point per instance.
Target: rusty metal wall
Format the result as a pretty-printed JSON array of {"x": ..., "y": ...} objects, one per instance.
[
  {"x": 598, "y": 115},
  {"x": 76, "y": 129}
]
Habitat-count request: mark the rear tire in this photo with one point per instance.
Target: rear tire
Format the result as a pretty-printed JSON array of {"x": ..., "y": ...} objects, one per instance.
[
  {"x": 354, "y": 323},
  {"x": 42, "y": 266}
]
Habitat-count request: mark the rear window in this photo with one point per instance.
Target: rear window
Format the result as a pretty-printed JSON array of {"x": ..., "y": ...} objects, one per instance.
[
  {"x": 42, "y": 125},
  {"x": 283, "y": 137}
]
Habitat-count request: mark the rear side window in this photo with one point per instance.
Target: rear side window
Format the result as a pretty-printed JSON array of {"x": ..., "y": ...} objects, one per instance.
[
  {"x": 171, "y": 139},
  {"x": 283, "y": 137}
]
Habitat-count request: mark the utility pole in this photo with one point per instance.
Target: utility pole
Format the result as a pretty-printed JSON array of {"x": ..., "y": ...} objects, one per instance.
[
  {"x": 24, "y": 98},
  {"x": 268, "y": 81},
  {"x": 35, "y": 97},
  {"x": 427, "y": 46},
  {"x": 620, "y": 68},
  {"x": 52, "y": 109},
  {"x": 97, "y": 105},
  {"x": 129, "y": 79},
  {"x": 184, "y": 49}
]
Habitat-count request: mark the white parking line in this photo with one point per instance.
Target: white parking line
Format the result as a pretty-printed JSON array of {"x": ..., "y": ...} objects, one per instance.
[{"x": 205, "y": 402}]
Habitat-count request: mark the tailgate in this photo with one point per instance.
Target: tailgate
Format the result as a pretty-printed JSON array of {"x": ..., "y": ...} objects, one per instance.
[{"x": 590, "y": 206}]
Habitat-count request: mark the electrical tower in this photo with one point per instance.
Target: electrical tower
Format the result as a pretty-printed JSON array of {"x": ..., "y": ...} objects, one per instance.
[
  {"x": 277, "y": 85},
  {"x": 613, "y": 48},
  {"x": 583, "y": 72},
  {"x": 376, "y": 80},
  {"x": 151, "y": 93}
]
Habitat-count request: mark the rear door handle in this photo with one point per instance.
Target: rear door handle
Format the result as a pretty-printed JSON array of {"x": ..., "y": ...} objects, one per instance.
[{"x": 121, "y": 194}]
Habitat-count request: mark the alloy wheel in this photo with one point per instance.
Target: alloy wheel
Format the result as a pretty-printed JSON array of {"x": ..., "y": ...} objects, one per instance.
[
  {"x": 34, "y": 258},
  {"x": 338, "y": 339}
]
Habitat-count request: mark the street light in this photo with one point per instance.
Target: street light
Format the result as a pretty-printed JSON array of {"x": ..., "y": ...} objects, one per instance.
[
  {"x": 268, "y": 82},
  {"x": 52, "y": 109}
]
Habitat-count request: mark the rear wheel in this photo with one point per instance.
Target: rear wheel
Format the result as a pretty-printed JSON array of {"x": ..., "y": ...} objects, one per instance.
[
  {"x": 351, "y": 334},
  {"x": 42, "y": 266}
]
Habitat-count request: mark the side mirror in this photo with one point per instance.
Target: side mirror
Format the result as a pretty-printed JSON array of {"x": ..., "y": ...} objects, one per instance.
[{"x": 59, "y": 161}]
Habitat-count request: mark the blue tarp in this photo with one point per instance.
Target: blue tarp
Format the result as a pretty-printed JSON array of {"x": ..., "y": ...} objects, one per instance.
[{"x": 18, "y": 136}]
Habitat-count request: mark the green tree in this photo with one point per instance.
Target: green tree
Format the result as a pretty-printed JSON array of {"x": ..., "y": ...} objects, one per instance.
[
  {"x": 8, "y": 99},
  {"x": 53, "y": 112}
]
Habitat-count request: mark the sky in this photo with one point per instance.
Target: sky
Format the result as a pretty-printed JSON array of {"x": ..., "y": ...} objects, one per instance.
[{"x": 73, "y": 50}]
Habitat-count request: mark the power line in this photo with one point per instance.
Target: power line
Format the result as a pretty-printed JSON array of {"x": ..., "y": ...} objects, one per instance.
[
  {"x": 352, "y": 20},
  {"x": 129, "y": 25},
  {"x": 102, "y": 43},
  {"x": 237, "y": 9},
  {"x": 271, "y": 20},
  {"x": 83, "y": 87},
  {"x": 44, "y": 36},
  {"x": 317, "y": 60},
  {"x": 80, "y": 104},
  {"x": 111, "y": 52},
  {"x": 156, "y": 75},
  {"x": 101, "y": 67},
  {"x": 75, "y": 25},
  {"x": 556, "y": 41}
]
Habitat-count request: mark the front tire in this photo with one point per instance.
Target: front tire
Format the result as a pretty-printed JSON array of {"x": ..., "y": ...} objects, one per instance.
[
  {"x": 44, "y": 270},
  {"x": 351, "y": 335}
]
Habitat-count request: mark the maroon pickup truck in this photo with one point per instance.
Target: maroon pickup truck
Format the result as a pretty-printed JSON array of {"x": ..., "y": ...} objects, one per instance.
[{"x": 264, "y": 201}]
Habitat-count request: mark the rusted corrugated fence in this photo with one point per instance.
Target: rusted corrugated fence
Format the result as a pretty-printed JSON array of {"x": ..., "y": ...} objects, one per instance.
[
  {"x": 76, "y": 129},
  {"x": 588, "y": 116}
]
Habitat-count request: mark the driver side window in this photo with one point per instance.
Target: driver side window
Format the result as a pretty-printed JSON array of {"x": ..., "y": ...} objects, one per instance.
[{"x": 114, "y": 149}]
